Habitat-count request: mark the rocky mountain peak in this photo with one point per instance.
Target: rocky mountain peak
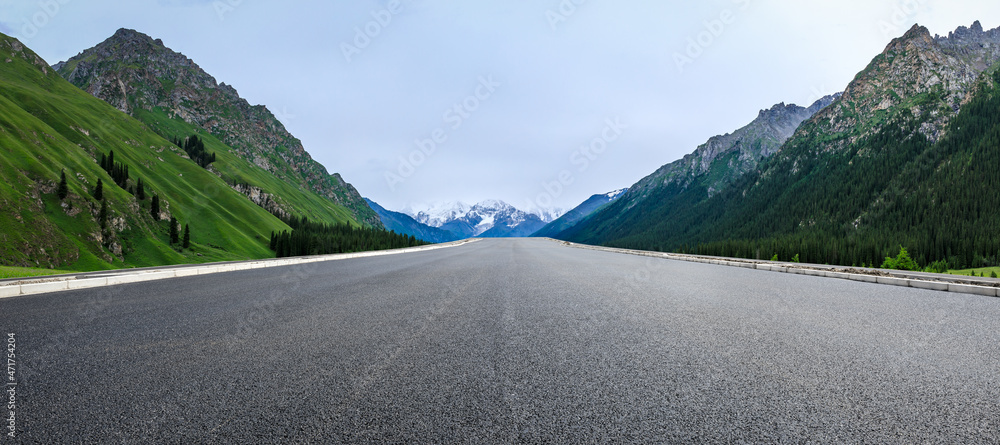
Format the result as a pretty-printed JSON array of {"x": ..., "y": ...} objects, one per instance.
[
  {"x": 917, "y": 32},
  {"x": 974, "y": 31},
  {"x": 916, "y": 76},
  {"x": 130, "y": 35},
  {"x": 135, "y": 39}
]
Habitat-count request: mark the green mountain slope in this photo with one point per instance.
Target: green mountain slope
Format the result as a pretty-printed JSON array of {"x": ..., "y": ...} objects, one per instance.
[
  {"x": 698, "y": 176},
  {"x": 47, "y": 125},
  {"x": 907, "y": 156},
  {"x": 579, "y": 213},
  {"x": 176, "y": 98},
  {"x": 892, "y": 189}
]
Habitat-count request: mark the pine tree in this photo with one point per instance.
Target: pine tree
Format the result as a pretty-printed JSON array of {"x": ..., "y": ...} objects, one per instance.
[
  {"x": 187, "y": 236},
  {"x": 63, "y": 190},
  {"x": 155, "y": 207},
  {"x": 99, "y": 190},
  {"x": 174, "y": 236},
  {"x": 140, "y": 190},
  {"x": 103, "y": 217}
]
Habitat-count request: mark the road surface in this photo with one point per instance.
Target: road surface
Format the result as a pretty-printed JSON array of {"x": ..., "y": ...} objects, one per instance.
[{"x": 504, "y": 341}]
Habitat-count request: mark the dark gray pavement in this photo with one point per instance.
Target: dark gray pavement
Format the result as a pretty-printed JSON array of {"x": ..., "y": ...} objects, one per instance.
[{"x": 505, "y": 341}]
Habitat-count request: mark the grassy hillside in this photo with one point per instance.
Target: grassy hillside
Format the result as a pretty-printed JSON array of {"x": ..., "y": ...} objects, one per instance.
[
  {"x": 234, "y": 169},
  {"x": 48, "y": 125}
]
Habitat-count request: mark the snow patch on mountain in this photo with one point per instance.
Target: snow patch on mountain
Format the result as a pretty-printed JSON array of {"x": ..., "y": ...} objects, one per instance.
[{"x": 616, "y": 194}]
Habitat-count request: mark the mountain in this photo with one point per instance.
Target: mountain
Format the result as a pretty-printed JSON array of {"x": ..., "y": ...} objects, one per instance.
[
  {"x": 725, "y": 158},
  {"x": 547, "y": 215},
  {"x": 488, "y": 219},
  {"x": 49, "y": 127},
  {"x": 580, "y": 212},
  {"x": 405, "y": 224},
  {"x": 699, "y": 175},
  {"x": 906, "y": 156},
  {"x": 439, "y": 214},
  {"x": 176, "y": 98}
]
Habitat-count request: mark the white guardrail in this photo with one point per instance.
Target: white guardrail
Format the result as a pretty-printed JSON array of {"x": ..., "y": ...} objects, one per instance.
[
  {"x": 940, "y": 282},
  {"x": 44, "y": 285}
]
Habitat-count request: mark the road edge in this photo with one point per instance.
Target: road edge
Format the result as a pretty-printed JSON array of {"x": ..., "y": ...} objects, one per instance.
[
  {"x": 986, "y": 287},
  {"x": 45, "y": 285}
]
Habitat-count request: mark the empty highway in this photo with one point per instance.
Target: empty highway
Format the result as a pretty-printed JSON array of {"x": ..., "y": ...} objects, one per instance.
[{"x": 504, "y": 341}]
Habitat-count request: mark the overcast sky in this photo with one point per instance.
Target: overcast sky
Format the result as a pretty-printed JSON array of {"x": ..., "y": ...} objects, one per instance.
[{"x": 537, "y": 83}]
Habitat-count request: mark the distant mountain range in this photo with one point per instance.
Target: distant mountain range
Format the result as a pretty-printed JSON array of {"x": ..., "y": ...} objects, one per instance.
[
  {"x": 487, "y": 219},
  {"x": 405, "y": 224},
  {"x": 456, "y": 220}
]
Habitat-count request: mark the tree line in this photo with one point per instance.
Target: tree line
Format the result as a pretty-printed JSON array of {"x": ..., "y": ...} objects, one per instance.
[{"x": 310, "y": 238}]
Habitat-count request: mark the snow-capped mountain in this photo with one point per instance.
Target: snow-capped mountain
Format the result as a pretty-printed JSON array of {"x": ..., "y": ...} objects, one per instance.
[
  {"x": 546, "y": 215},
  {"x": 491, "y": 218},
  {"x": 439, "y": 214}
]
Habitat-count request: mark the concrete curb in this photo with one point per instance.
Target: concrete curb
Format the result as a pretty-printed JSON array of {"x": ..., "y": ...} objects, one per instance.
[
  {"x": 936, "y": 282},
  {"x": 44, "y": 285}
]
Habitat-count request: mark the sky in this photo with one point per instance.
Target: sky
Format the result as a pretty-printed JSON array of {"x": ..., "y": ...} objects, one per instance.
[{"x": 539, "y": 103}]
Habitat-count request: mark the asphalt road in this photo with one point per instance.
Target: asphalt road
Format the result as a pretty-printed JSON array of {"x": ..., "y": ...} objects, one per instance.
[{"x": 507, "y": 341}]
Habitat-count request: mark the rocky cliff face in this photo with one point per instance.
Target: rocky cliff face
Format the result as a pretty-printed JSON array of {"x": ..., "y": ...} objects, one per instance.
[
  {"x": 135, "y": 73},
  {"x": 725, "y": 158},
  {"x": 917, "y": 77}
]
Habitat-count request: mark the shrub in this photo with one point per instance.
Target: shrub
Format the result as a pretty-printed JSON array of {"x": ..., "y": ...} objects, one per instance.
[
  {"x": 901, "y": 262},
  {"x": 938, "y": 267}
]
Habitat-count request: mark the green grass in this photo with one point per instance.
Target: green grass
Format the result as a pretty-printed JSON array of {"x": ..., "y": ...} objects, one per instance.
[
  {"x": 979, "y": 272},
  {"x": 27, "y": 272}
]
